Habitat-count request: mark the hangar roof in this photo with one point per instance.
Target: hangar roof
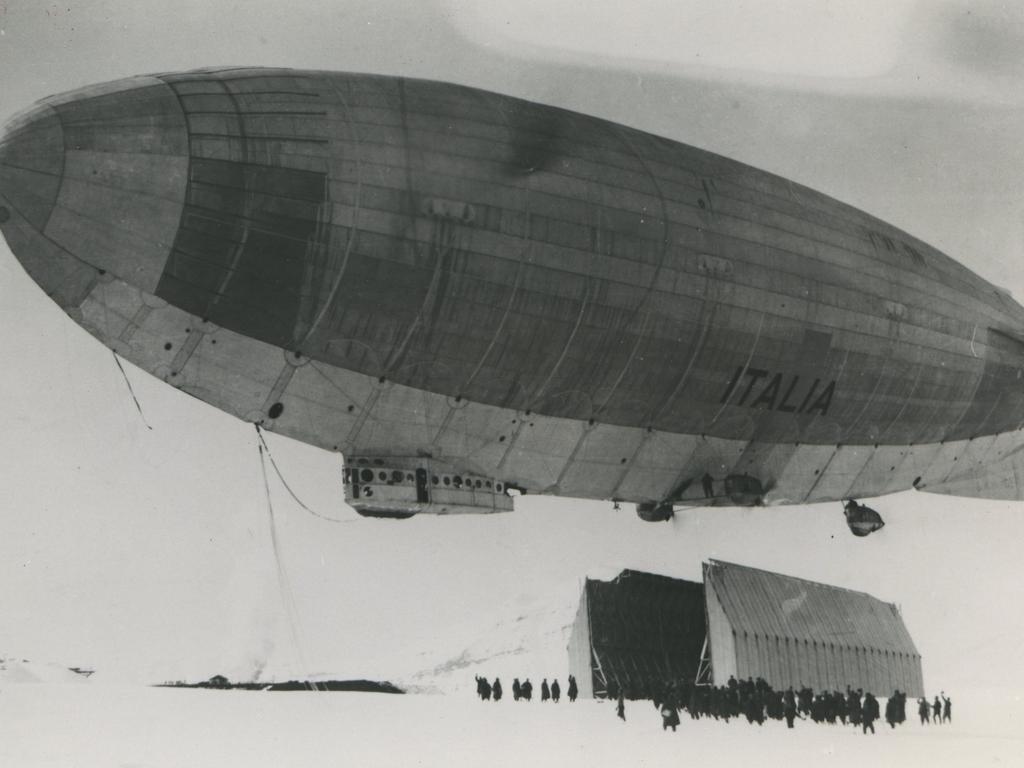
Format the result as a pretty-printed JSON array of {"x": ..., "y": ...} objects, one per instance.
[{"x": 770, "y": 604}]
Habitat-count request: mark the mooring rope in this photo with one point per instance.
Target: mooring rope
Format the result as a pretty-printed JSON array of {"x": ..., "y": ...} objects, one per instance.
[
  {"x": 131, "y": 390},
  {"x": 287, "y": 597},
  {"x": 266, "y": 448}
]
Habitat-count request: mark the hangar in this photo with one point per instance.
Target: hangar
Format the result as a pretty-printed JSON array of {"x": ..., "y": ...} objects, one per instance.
[{"x": 640, "y": 630}]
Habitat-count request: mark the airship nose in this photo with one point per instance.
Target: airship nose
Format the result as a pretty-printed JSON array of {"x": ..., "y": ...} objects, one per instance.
[
  {"x": 31, "y": 156},
  {"x": 93, "y": 182}
]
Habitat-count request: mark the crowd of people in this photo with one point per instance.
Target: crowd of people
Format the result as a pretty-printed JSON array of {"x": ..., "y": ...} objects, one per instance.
[
  {"x": 757, "y": 701},
  {"x": 754, "y": 700},
  {"x": 488, "y": 691},
  {"x": 940, "y": 711}
]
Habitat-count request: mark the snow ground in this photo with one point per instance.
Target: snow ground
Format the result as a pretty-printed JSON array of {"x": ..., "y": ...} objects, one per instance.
[{"x": 113, "y": 726}]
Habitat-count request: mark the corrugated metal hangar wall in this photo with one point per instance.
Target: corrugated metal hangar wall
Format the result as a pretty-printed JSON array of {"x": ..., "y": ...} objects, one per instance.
[
  {"x": 796, "y": 632},
  {"x": 641, "y": 630}
]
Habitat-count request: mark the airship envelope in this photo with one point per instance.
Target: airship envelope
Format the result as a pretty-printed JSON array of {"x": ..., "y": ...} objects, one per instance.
[{"x": 471, "y": 296}]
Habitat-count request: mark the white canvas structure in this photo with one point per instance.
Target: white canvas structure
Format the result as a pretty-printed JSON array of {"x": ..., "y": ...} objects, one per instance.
[{"x": 794, "y": 632}]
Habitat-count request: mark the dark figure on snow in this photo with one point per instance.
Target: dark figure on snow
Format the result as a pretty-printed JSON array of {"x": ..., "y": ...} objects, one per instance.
[
  {"x": 708, "y": 484},
  {"x": 483, "y": 688},
  {"x": 923, "y": 709},
  {"x": 841, "y": 707},
  {"x": 754, "y": 710},
  {"x": 516, "y": 690},
  {"x": 545, "y": 691},
  {"x": 901, "y": 707},
  {"x": 496, "y": 689},
  {"x": 573, "y": 691},
  {"x": 669, "y": 716},
  {"x": 937, "y": 711},
  {"x": 789, "y": 707},
  {"x": 803, "y": 701},
  {"x": 947, "y": 709},
  {"x": 869, "y": 712},
  {"x": 620, "y": 709},
  {"x": 892, "y": 709},
  {"x": 556, "y": 691},
  {"x": 526, "y": 689},
  {"x": 853, "y": 707}
]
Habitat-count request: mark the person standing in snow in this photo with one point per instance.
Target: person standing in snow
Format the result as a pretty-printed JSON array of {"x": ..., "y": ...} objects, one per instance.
[
  {"x": 947, "y": 709},
  {"x": 527, "y": 689},
  {"x": 853, "y": 707},
  {"x": 516, "y": 690},
  {"x": 789, "y": 706},
  {"x": 923, "y": 709},
  {"x": 621, "y": 709},
  {"x": 869, "y": 712},
  {"x": 937, "y": 711},
  {"x": 556, "y": 691},
  {"x": 496, "y": 689},
  {"x": 892, "y": 709},
  {"x": 483, "y": 688},
  {"x": 669, "y": 716},
  {"x": 545, "y": 691},
  {"x": 573, "y": 691},
  {"x": 901, "y": 707}
]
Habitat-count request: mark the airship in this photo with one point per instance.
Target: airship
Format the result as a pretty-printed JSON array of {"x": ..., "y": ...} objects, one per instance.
[{"x": 471, "y": 296}]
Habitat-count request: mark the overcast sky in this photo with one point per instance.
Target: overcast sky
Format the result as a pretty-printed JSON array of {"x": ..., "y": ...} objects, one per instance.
[{"x": 146, "y": 552}]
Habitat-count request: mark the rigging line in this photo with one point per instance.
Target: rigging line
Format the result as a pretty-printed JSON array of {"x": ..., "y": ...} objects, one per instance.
[
  {"x": 280, "y": 476},
  {"x": 131, "y": 391},
  {"x": 353, "y": 231},
  {"x": 248, "y": 197},
  {"x": 287, "y": 598},
  {"x": 439, "y": 245},
  {"x": 64, "y": 251},
  {"x": 746, "y": 367}
]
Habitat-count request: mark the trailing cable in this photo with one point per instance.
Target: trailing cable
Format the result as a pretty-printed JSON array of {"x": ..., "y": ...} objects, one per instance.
[
  {"x": 287, "y": 597},
  {"x": 264, "y": 448},
  {"x": 130, "y": 389}
]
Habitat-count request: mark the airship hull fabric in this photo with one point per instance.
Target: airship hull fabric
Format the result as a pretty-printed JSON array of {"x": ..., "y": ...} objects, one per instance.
[{"x": 404, "y": 267}]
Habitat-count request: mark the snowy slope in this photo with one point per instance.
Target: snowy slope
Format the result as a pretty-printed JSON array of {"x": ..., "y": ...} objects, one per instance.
[
  {"x": 527, "y": 638},
  {"x": 15, "y": 671}
]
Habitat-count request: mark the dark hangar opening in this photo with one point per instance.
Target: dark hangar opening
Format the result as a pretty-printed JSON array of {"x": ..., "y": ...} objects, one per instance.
[{"x": 635, "y": 632}]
